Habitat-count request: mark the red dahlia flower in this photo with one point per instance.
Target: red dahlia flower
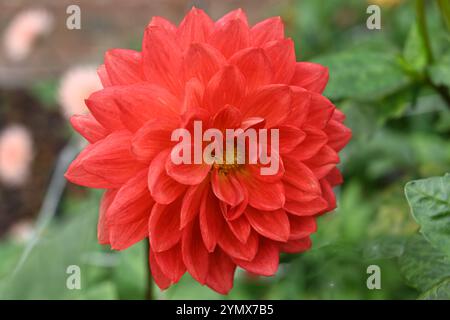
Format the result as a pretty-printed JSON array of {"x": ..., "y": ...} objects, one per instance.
[{"x": 207, "y": 219}]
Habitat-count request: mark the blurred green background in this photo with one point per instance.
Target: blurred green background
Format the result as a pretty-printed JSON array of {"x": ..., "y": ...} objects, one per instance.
[{"x": 391, "y": 83}]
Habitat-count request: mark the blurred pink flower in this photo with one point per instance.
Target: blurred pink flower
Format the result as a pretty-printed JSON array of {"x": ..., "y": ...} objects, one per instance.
[
  {"x": 77, "y": 84},
  {"x": 16, "y": 154},
  {"x": 22, "y": 231},
  {"x": 23, "y": 31}
]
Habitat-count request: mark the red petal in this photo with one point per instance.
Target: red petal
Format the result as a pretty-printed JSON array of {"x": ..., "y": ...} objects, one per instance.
[
  {"x": 163, "y": 23},
  {"x": 140, "y": 103},
  {"x": 271, "y": 224},
  {"x": 104, "y": 77},
  {"x": 171, "y": 263},
  {"x": 164, "y": 226},
  {"x": 221, "y": 272},
  {"x": 124, "y": 66},
  {"x": 271, "y": 103},
  {"x": 267, "y": 30},
  {"x": 106, "y": 164},
  {"x": 294, "y": 193},
  {"x": 227, "y": 188},
  {"x": 132, "y": 202},
  {"x": 103, "y": 228},
  {"x": 104, "y": 108},
  {"x": 228, "y": 117},
  {"x": 306, "y": 208},
  {"x": 315, "y": 140},
  {"x": 282, "y": 55},
  {"x": 160, "y": 278},
  {"x": 335, "y": 177},
  {"x": 162, "y": 58},
  {"x": 195, "y": 255},
  {"x": 320, "y": 111},
  {"x": 191, "y": 202},
  {"x": 290, "y": 137},
  {"x": 123, "y": 236},
  {"x": 301, "y": 227},
  {"x": 202, "y": 61},
  {"x": 311, "y": 76},
  {"x": 230, "y": 37},
  {"x": 151, "y": 139},
  {"x": 195, "y": 27},
  {"x": 236, "y": 249},
  {"x": 162, "y": 187},
  {"x": 211, "y": 220},
  {"x": 265, "y": 262},
  {"x": 255, "y": 66},
  {"x": 237, "y": 14},
  {"x": 189, "y": 174},
  {"x": 300, "y": 105},
  {"x": 262, "y": 195},
  {"x": 300, "y": 176},
  {"x": 193, "y": 96},
  {"x": 338, "y": 135},
  {"x": 88, "y": 127},
  {"x": 226, "y": 87},
  {"x": 323, "y": 162},
  {"x": 240, "y": 228},
  {"x": 296, "y": 246}
]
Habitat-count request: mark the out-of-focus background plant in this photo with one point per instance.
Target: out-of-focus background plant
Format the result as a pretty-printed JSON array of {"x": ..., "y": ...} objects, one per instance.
[{"x": 392, "y": 83}]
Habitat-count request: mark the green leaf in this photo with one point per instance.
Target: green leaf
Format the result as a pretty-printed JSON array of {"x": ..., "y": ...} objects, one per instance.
[
  {"x": 424, "y": 267},
  {"x": 363, "y": 74},
  {"x": 440, "y": 71},
  {"x": 441, "y": 291},
  {"x": 414, "y": 53},
  {"x": 430, "y": 205}
]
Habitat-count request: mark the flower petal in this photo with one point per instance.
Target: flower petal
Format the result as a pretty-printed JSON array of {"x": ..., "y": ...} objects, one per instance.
[
  {"x": 315, "y": 140},
  {"x": 151, "y": 139},
  {"x": 124, "y": 66},
  {"x": 311, "y": 76},
  {"x": 227, "y": 188},
  {"x": 282, "y": 55},
  {"x": 300, "y": 176},
  {"x": 255, "y": 66},
  {"x": 230, "y": 37},
  {"x": 88, "y": 127},
  {"x": 104, "y": 108},
  {"x": 236, "y": 249},
  {"x": 162, "y": 58},
  {"x": 161, "y": 280},
  {"x": 192, "y": 201},
  {"x": 226, "y": 87},
  {"x": 271, "y": 224},
  {"x": 301, "y": 227},
  {"x": 266, "y": 260},
  {"x": 162, "y": 187},
  {"x": 240, "y": 228},
  {"x": 171, "y": 263},
  {"x": 195, "y": 255},
  {"x": 272, "y": 103},
  {"x": 266, "y": 31},
  {"x": 296, "y": 246},
  {"x": 211, "y": 220},
  {"x": 221, "y": 272},
  {"x": 195, "y": 27},
  {"x": 306, "y": 208},
  {"x": 164, "y": 226},
  {"x": 202, "y": 61},
  {"x": 102, "y": 227}
]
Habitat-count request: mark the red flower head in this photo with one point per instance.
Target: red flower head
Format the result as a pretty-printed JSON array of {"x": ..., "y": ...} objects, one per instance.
[{"x": 206, "y": 218}]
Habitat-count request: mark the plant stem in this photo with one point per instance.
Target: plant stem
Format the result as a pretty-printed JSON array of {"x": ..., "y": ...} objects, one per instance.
[
  {"x": 423, "y": 31},
  {"x": 444, "y": 6},
  {"x": 149, "y": 287},
  {"x": 422, "y": 25}
]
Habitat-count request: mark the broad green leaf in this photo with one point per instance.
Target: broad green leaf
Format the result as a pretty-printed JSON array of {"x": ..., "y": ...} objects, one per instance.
[
  {"x": 414, "y": 51},
  {"x": 440, "y": 291},
  {"x": 363, "y": 74},
  {"x": 440, "y": 71},
  {"x": 424, "y": 267},
  {"x": 430, "y": 205}
]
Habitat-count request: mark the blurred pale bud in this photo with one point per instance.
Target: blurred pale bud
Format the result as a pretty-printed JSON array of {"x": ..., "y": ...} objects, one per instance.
[
  {"x": 76, "y": 85},
  {"x": 23, "y": 31},
  {"x": 16, "y": 155}
]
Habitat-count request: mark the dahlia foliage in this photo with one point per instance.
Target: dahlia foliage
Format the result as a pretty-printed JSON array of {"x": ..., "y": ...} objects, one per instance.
[{"x": 208, "y": 218}]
